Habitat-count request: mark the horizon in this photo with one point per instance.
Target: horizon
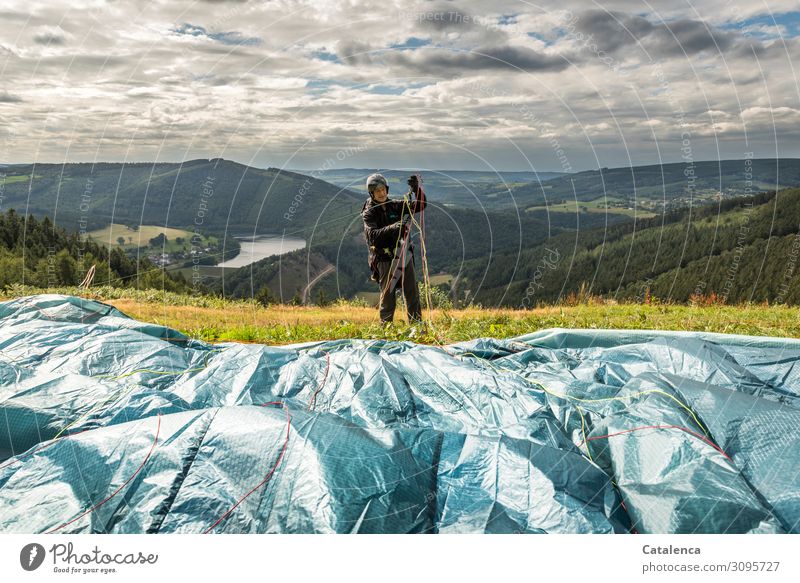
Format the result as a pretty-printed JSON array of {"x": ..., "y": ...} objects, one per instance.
[{"x": 397, "y": 169}]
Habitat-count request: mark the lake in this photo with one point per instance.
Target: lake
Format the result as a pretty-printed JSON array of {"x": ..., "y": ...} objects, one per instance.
[{"x": 261, "y": 246}]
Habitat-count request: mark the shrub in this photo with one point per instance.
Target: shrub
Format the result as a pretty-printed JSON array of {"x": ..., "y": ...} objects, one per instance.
[{"x": 437, "y": 297}]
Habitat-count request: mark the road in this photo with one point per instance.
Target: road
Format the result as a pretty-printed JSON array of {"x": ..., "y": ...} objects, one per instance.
[{"x": 307, "y": 289}]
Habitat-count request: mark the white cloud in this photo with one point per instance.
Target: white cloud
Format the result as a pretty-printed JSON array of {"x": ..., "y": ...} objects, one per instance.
[{"x": 430, "y": 81}]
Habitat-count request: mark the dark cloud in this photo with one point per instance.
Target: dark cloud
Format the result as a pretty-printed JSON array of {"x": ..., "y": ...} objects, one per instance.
[
  {"x": 50, "y": 36},
  {"x": 216, "y": 80},
  {"x": 444, "y": 19},
  {"x": 354, "y": 51},
  {"x": 443, "y": 62},
  {"x": 689, "y": 37},
  {"x": 446, "y": 22},
  {"x": 6, "y": 97},
  {"x": 614, "y": 31},
  {"x": 9, "y": 15},
  {"x": 610, "y": 30}
]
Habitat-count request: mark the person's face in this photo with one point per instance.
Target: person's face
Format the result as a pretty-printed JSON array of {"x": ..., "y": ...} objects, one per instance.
[{"x": 380, "y": 194}]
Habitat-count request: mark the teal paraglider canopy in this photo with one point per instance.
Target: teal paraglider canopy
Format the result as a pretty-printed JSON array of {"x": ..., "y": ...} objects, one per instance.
[{"x": 114, "y": 425}]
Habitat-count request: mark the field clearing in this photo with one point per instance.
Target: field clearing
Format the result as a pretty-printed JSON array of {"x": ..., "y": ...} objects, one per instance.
[
  {"x": 441, "y": 278},
  {"x": 597, "y": 205},
  {"x": 16, "y": 179},
  {"x": 138, "y": 238}
]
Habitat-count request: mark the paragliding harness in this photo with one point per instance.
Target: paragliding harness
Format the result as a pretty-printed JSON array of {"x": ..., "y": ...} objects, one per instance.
[
  {"x": 378, "y": 254},
  {"x": 373, "y": 265},
  {"x": 399, "y": 262}
]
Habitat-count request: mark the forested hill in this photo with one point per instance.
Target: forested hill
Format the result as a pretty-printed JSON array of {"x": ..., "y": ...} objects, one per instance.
[
  {"x": 35, "y": 252},
  {"x": 743, "y": 249},
  {"x": 212, "y": 195}
]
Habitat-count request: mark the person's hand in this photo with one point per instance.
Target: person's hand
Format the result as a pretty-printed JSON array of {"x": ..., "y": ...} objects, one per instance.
[{"x": 414, "y": 183}]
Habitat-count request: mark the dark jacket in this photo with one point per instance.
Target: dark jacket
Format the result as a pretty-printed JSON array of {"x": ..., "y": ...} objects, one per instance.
[{"x": 382, "y": 226}]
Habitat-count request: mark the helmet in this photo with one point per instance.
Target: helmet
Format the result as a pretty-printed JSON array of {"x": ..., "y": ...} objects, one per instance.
[{"x": 374, "y": 180}]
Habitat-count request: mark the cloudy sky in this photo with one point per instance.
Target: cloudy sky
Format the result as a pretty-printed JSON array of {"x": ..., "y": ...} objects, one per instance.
[{"x": 550, "y": 85}]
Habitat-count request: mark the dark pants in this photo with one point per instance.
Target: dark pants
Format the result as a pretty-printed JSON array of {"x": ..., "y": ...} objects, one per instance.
[{"x": 407, "y": 282}]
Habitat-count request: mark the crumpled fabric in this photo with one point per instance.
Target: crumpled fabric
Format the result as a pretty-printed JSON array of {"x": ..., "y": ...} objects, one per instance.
[{"x": 110, "y": 425}]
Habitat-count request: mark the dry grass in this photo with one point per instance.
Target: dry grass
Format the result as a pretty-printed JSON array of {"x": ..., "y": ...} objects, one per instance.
[
  {"x": 283, "y": 324},
  {"x": 214, "y": 319}
]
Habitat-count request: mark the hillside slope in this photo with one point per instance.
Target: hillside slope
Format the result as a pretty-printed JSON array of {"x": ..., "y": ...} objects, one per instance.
[{"x": 741, "y": 250}]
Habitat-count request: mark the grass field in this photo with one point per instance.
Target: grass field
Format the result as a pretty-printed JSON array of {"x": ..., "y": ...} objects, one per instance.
[
  {"x": 214, "y": 320},
  {"x": 137, "y": 238},
  {"x": 16, "y": 178},
  {"x": 441, "y": 278},
  {"x": 597, "y": 205}
]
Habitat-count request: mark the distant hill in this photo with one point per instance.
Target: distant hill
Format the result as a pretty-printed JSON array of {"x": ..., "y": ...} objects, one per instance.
[
  {"x": 671, "y": 185},
  {"x": 651, "y": 188},
  {"x": 464, "y": 188},
  {"x": 214, "y": 196}
]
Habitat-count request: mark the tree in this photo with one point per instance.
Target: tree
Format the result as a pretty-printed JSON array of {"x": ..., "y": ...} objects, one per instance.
[
  {"x": 265, "y": 297},
  {"x": 297, "y": 299},
  {"x": 159, "y": 240},
  {"x": 121, "y": 240},
  {"x": 10, "y": 268},
  {"x": 65, "y": 268}
]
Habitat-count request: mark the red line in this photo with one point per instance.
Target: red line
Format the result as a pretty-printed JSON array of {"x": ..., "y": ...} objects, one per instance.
[
  {"x": 29, "y": 304},
  {"x": 405, "y": 247},
  {"x": 313, "y": 401},
  {"x": 686, "y": 429},
  {"x": 117, "y": 491},
  {"x": 269, "y": 474}
]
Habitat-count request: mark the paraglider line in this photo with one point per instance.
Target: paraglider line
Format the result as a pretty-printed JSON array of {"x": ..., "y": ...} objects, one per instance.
[
  {"x": 118, "y": 490},
  {"x": 685, "y": 429},
  {"x": 269, "y": 474}
]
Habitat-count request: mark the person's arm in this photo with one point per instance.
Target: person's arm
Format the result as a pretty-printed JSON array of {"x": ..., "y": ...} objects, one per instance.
[{"x": 379, "y": 236}]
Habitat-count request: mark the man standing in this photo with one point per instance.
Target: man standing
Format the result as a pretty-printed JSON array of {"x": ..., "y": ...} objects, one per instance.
[{"x": 387, "y": 227}]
